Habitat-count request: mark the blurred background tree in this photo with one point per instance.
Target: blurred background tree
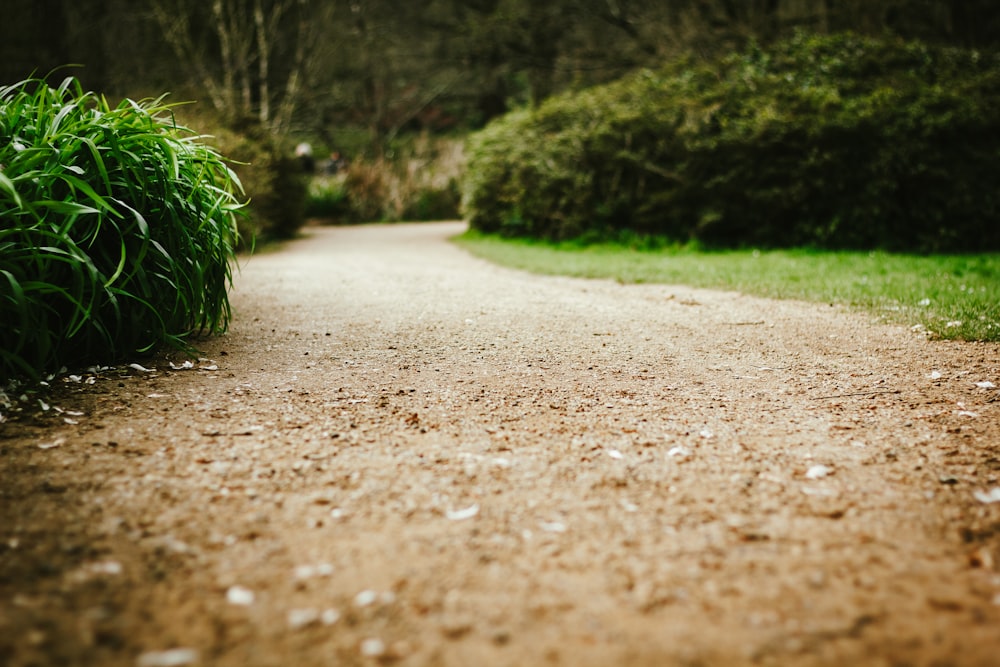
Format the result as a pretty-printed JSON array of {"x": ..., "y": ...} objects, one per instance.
[
  {"x": 386, "y": 66},
  {"x": 364, "y": 77}
]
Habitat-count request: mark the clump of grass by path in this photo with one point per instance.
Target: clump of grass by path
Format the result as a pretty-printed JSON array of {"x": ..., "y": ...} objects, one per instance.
[
  {"x": 117, "y": 229},
  {"x": 949, "y": 296}
]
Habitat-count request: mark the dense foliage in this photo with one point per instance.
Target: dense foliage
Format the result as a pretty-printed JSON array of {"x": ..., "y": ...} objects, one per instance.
[
  {"x": 326, "y": 69},
  {"x": 421, "y": 182},
  {"x": 830, "y": 141},
  {"x": 116, "y": 229},
  {"x": 272, "y": 178}
]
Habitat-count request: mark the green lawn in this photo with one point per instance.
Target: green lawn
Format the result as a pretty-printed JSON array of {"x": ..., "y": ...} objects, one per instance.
[{"x": 951, "y": 296}]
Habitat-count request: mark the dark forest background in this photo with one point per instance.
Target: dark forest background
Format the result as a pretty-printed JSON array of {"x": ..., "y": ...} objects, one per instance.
[
  {"x": 394, "y": 87},
  {"x": 382, "y": 67}
]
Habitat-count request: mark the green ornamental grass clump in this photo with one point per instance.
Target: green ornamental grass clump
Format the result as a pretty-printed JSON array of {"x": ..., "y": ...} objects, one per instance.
[{"x": 117, "y": 229}]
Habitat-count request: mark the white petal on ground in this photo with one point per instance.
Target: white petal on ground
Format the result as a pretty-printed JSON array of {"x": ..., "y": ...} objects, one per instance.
[
  {"x": 615, "y": 454},
  {"x": 365, "y": 598},
  {"x": 818, "y": 472},
  {"x": 300, "y": 618},
  {"x": 988, "y": 497},
  {"x": 819, "y": 492},
  {"x": 467, "y": 513},
  {"x": 310, "y": 571},
  {"x": 553, "y": 527},
  {"x": 51, "y": 445},
  {"x": 239, "y": 596},
  {"x": 329, "y": 616},
  {"x": 106, "y": 567},
  {"x": 372, "y": 647},
  {"x": 985, "y": 385},
  {"x": 175, "y": 657},
  {"x": 182, "y": 367},
  {"x": 935, "y": 375},
  {"x": 141, "y": 369},
  {"x": 678, "y": 451}
]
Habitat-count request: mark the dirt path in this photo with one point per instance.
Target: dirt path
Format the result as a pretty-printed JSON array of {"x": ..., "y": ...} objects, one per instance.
[{"x": 403, "y": 454}]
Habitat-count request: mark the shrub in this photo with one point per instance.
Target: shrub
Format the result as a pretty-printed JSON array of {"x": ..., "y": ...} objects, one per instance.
[
  {"x": 272, "y": 177},
  {"x": 420, "y": 183},
  {"x": 832, "y": 141},
  {"x": 367, "y": 186},
  {"x": 327, "y": 199},
  {"x": 116, "y": 229}
]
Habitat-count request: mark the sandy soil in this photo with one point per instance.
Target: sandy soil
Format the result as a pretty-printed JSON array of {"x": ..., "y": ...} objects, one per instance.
[{"x": 401, "y": 454}]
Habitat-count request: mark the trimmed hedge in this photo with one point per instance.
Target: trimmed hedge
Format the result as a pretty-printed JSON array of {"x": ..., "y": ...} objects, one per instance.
[
  {"x": 829, "y": 141},
  {"x": 116, "y": 229}
]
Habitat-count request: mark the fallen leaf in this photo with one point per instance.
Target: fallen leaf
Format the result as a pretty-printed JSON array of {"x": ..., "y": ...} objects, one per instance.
[{"x": 981, "y": 558}]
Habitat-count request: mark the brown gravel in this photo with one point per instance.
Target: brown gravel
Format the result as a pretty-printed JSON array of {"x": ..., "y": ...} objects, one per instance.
[{"x": 401, "y": 454}]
